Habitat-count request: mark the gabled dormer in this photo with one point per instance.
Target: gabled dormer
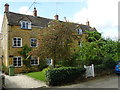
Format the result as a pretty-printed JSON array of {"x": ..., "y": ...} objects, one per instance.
[
  {"x": 79, "y": 31},
  {"x": 25, "y": 24}
]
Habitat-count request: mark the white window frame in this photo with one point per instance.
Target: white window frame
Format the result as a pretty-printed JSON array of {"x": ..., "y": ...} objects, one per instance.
[
  {"x": 13, "y": 42},
  {"x": 17, "y": 61},
  {"x": 27, "y": 25},
  {"x": 80, "y": 43},
  {"x": 34, "y": 61},
  {"x": 79, "y": 31},
  {"x": 36, "y": 42},
  {"x": 49, "y": 61}
]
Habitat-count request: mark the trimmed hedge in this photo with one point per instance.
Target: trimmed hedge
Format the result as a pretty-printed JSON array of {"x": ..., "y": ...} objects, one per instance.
[
  {"x": 99, "y": 69},
  {"x": 58, "y": 76},
  {"x": 103, "y": 70}
]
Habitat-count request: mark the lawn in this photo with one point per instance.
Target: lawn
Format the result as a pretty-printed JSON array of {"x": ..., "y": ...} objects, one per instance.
[{"x": 38, "y": 75}]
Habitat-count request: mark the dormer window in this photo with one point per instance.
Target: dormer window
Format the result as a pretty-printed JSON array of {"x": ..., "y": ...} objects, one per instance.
[
  {"x": 79, "y": 31},
  {"x": 25, "y": 25}
]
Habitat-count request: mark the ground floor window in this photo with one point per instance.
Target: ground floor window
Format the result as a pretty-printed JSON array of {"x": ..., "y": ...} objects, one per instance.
[
  {"x": 17, "y": 61},
  {"x": 34, "y": 60},
  {"x": 49, "y": 61}
]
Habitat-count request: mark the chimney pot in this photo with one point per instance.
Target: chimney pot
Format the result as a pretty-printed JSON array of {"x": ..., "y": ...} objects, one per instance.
[
  {"x": 35, "y": 12},
  {"x": 88, "y": 23},
  {"x": 6, "y": 7},
  {"x": 56, "y": 17}
]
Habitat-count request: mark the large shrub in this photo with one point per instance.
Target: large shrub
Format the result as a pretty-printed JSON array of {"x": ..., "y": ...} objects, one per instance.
[
  {"x": 5, "y": 69},
  {"x": 99, "y": 69},
  {"x": 106, "y": 68},
  {"x": 42, "y": 64},
  {"x": 58, "y": 76},
  {"x": 109, "y": 64}
]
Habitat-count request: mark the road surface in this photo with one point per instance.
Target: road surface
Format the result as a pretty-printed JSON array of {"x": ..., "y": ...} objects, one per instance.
[{"x": 110, "y": 81}]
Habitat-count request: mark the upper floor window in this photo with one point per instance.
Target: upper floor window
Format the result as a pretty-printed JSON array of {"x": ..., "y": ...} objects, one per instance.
[
  {"x": 33, "y": 42},
  {"x": 79, "y": 31},
  {"x": 17, "y": 61},
  {"x": 17, "y": 42},
  {"x": 34, "y": 60},
  {"x": 80, "y": 43},
  {"x": 25, "y": 25}
]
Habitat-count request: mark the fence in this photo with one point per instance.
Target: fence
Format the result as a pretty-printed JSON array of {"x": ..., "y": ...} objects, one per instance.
[{"x": 89, "y": 71}]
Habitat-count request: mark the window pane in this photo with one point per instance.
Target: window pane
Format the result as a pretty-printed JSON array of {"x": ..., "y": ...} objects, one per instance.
[
  {"x": 33, "y": 42},
  {"x": 14, "y": 38},
  {"x": 27, "y": 25},
  {"x": 14, "y": 44},
  {"x": 23, "y": 24},
  {"x": 19, "y": 63},
  {"x": 36, "y": 61},
  {"x": 17, "y": 42},
  {"x": 32, "y": 61},
  {"x": 14, "y": 61},
  {"x": 19, "y": 39},
  {"x": 14, "y": 64}
]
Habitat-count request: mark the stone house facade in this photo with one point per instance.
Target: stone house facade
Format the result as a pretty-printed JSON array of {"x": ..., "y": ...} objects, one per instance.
[{"x": 19, "y": 30}]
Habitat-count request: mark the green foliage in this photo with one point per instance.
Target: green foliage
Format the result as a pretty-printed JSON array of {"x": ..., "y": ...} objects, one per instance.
[
  {"x": 5, "y": 69},
  {"x": 93, "y": 36},
  {"x": 109, "y": 63},
  {"x": 100, "y": 69},
  {"x": 106, "y": 68},
  {"x": 97, "y": 52},
  {"x": 58, "y": 76},
  {"x": 25, "y": 51},
  {"x": 56, "y": 41},
  {"x": 42, "y": 64},
  {"x": 38, "y": 75}
]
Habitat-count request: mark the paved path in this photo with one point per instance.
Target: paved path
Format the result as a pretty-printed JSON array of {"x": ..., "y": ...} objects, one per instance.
[
  {"x": 22, "y": 81},
  {"x": 111, "y": 81}
]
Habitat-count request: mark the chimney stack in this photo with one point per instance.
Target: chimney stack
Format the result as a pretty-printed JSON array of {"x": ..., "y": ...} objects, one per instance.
[
  {"x": 56, "y": 17},
  {"x": 6, "y": 7},
  {"x": 88, "y": 23},
  {"x": 35, "y": 12}
]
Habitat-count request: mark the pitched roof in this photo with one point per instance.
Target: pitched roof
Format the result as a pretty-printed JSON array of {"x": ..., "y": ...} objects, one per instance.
[{"x": 15, "y": 18}]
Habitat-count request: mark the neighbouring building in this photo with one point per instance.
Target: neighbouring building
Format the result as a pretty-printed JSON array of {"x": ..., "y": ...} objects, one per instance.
[{"x": 19, "y": 30}]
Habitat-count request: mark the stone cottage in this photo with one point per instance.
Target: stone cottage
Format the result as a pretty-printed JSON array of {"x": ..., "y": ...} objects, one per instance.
[{"x": 19, "y": 30}]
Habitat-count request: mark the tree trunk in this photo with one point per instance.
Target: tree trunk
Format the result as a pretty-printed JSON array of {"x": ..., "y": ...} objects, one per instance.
[{"x": 53, "y": 63}]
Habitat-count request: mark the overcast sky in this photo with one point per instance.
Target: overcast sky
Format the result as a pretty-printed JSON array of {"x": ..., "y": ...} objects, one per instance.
[{"x": 102, "y": 14}]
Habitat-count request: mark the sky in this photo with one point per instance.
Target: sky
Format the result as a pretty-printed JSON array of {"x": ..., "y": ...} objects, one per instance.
[{"x": 102, "y": 14}]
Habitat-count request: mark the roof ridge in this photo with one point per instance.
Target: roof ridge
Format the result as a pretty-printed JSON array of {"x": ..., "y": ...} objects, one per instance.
[{"x": 29, "y": 15}]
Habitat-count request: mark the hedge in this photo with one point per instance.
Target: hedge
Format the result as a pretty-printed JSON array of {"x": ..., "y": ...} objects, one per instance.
[
  {"x": 103, "y": 70},
  {"x": 58, "y": 76}
]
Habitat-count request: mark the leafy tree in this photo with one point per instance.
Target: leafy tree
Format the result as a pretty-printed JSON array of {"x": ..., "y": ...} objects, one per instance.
[
  {"x": 98, "y": 52},
  {"x": 93, "y": 36},
  {"x": 25, "y": 53},
  {"x": 56, "y": 41}
]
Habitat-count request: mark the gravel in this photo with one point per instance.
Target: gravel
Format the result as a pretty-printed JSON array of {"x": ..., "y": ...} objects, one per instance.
[{"x": 22, "y": 81}]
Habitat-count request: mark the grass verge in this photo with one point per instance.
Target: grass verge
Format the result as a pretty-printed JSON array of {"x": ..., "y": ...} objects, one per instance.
[{"x": 38, "y": 75}]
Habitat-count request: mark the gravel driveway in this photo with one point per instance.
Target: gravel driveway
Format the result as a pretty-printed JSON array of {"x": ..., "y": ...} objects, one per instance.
[{"x": 22, "y": 81}]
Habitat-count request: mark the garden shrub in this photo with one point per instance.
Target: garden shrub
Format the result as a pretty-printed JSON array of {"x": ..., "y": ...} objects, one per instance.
[
  {"x": 42, "y": 65},
  {"x": 5, "y": 69},
  {"x": 104, "y": 69},
  {"x": 109, "y": 64},
  {"x": 99, "y": 69},
  {"x": 58, "y": 76}
]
